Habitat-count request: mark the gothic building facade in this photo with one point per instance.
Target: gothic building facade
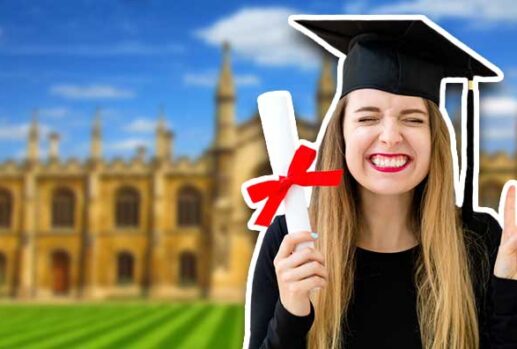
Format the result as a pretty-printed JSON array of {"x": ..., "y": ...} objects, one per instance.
[{"x": 161, "y": 228}]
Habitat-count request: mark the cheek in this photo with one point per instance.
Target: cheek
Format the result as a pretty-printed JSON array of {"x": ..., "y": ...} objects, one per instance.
[
  {"x": 422, "y": 147},
  {"x": 357, "y": 142}
]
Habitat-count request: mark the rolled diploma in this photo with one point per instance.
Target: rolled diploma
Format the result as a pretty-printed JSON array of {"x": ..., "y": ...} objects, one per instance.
[{"x": 279, "y": 127}]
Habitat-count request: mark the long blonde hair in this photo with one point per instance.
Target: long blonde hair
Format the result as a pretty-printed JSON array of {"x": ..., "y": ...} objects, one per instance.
[{"x": 446, "y": 304}]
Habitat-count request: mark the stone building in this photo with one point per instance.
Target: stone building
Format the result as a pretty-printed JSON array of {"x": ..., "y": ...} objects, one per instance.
[{"x": 161, "y": 228}]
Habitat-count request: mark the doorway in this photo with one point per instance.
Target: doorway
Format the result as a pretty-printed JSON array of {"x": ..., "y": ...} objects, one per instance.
[{"x": 60, "y": 272}]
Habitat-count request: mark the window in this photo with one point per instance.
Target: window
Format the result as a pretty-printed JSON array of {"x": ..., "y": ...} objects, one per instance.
[
  {"x": 5, "y": 208},
  {"x": 125, "y": 267},
  {"x": 189, "y": 207},
  {"x": 188, "y": 275},
  {"x": 127, "y": 207},
  {"x": 63, "y": 202}
]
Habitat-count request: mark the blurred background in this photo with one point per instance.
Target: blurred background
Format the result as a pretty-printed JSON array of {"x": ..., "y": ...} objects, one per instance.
[{"x": 126, "y": 130}]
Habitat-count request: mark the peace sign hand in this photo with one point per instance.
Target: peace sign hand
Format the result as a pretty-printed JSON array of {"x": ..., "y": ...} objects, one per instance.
[{"x": 506, "y": 261}]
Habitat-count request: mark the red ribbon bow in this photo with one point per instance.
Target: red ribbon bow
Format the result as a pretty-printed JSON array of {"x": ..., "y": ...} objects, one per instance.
[{"x": 276, "y": 190}]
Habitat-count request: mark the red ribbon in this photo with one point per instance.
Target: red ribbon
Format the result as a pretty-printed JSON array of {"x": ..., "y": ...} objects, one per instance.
[{"x": 276, "y": 190}]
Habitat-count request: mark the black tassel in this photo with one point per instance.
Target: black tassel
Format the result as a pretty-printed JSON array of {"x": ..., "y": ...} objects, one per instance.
[{"x": 467, "y": 208}]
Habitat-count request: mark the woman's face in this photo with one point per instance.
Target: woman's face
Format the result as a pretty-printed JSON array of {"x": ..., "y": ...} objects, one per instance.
[{"x": 388, "y": 140}]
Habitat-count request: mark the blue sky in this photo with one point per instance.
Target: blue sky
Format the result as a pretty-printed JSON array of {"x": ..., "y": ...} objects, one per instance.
[{"x": 132, "y": 57}]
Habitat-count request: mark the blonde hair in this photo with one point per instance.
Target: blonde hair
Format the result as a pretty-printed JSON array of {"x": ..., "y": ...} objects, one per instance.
[{"x": 446, "y": 305}]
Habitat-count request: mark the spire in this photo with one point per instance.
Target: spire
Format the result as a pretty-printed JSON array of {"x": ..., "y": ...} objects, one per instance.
[
  {"x": 33, "y": 143},
  {"x": 161, "y": 136},
  {"x": 161, "y": 111},
  {"x": 54, "y": 146},
  {"x": 141, "y": 151},
  {"x": 161, "y": 125},
  {"x": 225, "y": 105},
  {"x": 326, "y": 88},
  {"x": 34, "y": 127},
  {"x": 96, "y": 142},
  {"x": 97, "y": 122},
  {"x": 169, "y": 138},
  {"x": 225, "y": 85}
]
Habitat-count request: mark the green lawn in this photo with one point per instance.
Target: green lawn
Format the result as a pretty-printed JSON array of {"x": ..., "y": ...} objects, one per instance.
[{"x": 119, "y": 325}]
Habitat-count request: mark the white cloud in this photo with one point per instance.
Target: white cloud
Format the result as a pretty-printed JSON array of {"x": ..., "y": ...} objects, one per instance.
[
  {"x": 209, "y": 79},
  {"x": 141, "y": 125},
  {"x": 111, "y": 113},
  {"x": 262, "y": 35},
  {"x": 247, "y": 80},
  {"x": 498, "y": 134},
  {"x": 502, "y": 106},
  {"x": 14, "y": 132},
  {"x": 128, "y": 144},
  {"x": 19, "y": 132},
  {"x": 116, "y": 49},
  {"x": 55, "y": 112},
  {"x": 479, "y": 10},
  {"x": 21, "y": 154},
  {"x": 206, "y": 79},
  {"x": 90, "y": 92}
]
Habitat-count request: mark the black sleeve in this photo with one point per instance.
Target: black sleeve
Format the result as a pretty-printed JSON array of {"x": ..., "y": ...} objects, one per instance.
[
  {"x": 502, "y": 297},
  {"x": 273, "y": 326}
]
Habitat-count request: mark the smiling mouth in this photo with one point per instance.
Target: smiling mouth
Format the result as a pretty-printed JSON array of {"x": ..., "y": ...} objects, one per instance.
[{"x": 389, "y": 162}]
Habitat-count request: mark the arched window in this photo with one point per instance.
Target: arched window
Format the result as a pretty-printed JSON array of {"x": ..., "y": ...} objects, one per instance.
[
  {"x": 490, "y": 194},
  {"x": 188, "y": 272},
  {"x": 6, "y": 205},
  {"x": 63, "y": 202},
  {"x": 125, "y": 268},
  {"x": 189, "y": 207},
  {"x": 127, "y": 207},
  {"x": 3, "y": 269}
]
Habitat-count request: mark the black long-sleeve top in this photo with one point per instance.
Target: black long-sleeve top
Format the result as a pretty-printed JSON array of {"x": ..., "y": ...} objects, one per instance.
[{"x": 382, "y": 312}]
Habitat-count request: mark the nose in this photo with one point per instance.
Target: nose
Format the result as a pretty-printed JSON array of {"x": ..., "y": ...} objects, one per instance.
[{"x": 390, "y": 133}]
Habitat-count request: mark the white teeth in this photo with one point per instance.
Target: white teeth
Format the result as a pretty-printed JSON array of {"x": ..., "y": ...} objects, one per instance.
[{"x": 382, "y": 161}]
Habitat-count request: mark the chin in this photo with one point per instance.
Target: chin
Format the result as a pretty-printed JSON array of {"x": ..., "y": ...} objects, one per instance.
[{"x": 388, "y": 188}]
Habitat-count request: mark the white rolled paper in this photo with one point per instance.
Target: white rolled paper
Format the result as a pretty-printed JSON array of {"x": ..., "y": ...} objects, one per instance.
[{"x": 281, "y": 135}]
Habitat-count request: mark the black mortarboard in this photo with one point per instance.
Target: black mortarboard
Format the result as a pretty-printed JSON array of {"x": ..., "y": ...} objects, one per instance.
[{"x": 406, "y": 55}]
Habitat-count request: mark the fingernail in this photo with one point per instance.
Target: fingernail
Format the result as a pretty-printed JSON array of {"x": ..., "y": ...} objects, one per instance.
[{"x": 314, "y": 235}]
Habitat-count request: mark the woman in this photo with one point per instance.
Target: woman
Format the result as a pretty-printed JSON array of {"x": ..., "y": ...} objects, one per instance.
[
  {"x": 395, "y": 263},
  {"x": 418, "y": 281}
]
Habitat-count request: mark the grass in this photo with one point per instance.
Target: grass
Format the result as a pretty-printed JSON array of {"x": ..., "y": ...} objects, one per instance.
[{"x": 122, "y": 325}]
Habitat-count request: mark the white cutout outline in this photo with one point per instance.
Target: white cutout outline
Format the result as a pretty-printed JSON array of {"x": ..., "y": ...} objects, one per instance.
[{"x": 459, "y": 183}]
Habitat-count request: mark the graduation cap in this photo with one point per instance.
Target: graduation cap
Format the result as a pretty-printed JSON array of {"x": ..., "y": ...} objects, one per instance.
[{"x": 407, "y": 55}]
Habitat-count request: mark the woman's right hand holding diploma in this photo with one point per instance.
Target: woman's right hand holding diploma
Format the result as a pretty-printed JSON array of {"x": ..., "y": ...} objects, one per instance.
[{"x": 298, "y": 272}]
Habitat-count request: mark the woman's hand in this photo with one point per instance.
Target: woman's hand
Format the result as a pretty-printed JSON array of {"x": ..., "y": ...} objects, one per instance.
[
  {"x": 298, "y": 272},
  {"x": 506, "y": 262}
]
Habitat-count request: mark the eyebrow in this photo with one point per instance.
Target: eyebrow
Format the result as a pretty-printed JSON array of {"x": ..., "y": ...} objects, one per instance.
[
  {"x": 413, "y": 111},
  {"x": 404, "y": 112},
  {"x": 374, "y": 109}
]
